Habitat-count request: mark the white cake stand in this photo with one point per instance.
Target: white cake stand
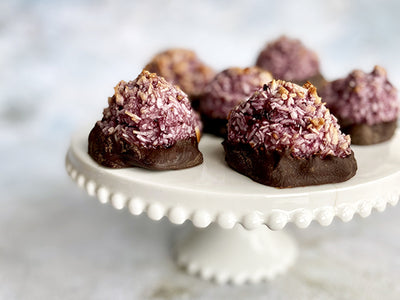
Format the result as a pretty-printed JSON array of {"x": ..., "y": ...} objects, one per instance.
[{"x": 241, "y": 249}]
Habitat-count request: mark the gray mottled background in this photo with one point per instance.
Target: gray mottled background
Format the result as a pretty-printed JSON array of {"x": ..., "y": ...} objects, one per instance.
[{"x": 59, "y": 61}]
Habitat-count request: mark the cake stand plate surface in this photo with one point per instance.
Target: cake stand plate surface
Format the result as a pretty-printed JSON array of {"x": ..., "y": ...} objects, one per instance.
[{"x": 214, "y": 193}]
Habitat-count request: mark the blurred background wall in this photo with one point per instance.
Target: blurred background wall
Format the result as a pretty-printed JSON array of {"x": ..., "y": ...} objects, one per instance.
[{"x": 59, "y": 60}]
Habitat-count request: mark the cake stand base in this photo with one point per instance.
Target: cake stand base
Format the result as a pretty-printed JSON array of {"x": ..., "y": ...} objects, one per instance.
[
  {"x": 236, "y": 255},
  {"x": 212, "y": 193}
]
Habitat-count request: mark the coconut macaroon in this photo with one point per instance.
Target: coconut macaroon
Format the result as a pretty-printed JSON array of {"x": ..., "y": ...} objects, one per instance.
[
  {"x": 228, "y": 88},
  {"x": 366, "y": 105},
  {"x": 288, "y": 59},
  {"x": 284, "y": 136},
  {"x": 182, "y": 67},
  {"x": 148, "y": 123}
]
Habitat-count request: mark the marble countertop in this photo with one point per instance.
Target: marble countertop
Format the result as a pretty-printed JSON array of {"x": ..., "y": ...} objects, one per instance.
[{"x": 59, "y": 61}]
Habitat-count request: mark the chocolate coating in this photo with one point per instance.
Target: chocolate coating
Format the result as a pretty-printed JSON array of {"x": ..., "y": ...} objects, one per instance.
[
  {"x": 215, "y": 126},
  {"x": 364, "y": 134},
  {"x": 281, "y": 169},
  {"x": 109, "y": 152}
]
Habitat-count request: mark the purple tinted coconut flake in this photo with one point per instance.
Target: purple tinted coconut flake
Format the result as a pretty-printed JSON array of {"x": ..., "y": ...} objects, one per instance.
[
  {"x": 285, "y": 116},
  {"x": 150, "y": 112}
]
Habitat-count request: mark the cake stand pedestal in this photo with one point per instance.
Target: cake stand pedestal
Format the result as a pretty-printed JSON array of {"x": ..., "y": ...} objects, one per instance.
[
  {"x": 238, "y": 241},
  {"x": 237, "y": 254}
]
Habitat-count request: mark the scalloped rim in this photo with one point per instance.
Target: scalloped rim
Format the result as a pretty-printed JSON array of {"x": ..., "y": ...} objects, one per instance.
[
  {"x": 203, "y": 261},
  {"x": 275, "y": 220},
  {"x": 218, "y": 277},
  {"x": 208, "y": 273}
]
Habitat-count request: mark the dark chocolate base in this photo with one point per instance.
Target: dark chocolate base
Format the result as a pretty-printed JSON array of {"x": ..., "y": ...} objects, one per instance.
[
  {"x": 195, "y": 102},
  {"x": 317, "y": 80},
  {"x": 282, "y": 170},
  {"x": 214, "y": 126},
  {"x": 364, "y": 134},
  {"x": 108, "y": 152}
]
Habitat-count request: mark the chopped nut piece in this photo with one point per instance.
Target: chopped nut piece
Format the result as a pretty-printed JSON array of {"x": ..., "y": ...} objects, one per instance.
[
  {"x": 283, "y": 91},
  {"x": 318, "y": 123},
  {"x": 135, "y": 118}
]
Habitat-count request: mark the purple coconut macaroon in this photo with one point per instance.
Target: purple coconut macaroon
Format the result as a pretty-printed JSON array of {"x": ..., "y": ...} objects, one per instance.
[
  {"x": 149, "y": 123},
  {"x": 366, "y": 105},
  {"x": 284, "y": 136},
  {"x": 288, "y": 59},
  {"x": 228, "y": 88},
  {"x": 183, "y": 68}
]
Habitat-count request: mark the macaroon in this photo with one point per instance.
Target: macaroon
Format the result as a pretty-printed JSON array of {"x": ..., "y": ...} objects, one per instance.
[
  {"x": 284, "y": 136},
  {"x": 184, "y": 68},
  {"x": 366, "y": 105},
  {"x": 148, "y": 123}
]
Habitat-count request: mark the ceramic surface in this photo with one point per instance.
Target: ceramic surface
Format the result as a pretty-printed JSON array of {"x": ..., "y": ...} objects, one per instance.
[{"x": 212, "y": 192}]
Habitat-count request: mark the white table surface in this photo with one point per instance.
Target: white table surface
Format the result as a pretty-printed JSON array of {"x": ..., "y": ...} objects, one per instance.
[{"x": 58, "y": 64}]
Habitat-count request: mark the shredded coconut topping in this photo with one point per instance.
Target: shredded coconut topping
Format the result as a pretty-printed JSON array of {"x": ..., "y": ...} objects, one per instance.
[
  {"x": 229, "y": 88},
  {"x": 150, "y": 112},
  {"x": 285, "y": 116},
  {"x": 183, "y": 68},
  {"x": 363, "y": 98},
  {"x": 288, "y": 59}
]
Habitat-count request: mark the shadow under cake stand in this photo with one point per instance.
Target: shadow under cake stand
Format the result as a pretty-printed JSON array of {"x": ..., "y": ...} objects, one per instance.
[{"x": 239, "y": 219}]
